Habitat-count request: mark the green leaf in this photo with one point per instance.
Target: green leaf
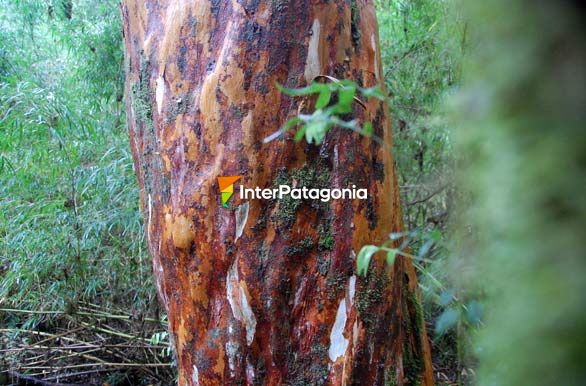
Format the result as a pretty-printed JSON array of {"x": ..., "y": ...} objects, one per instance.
[
  {"x": 425, "y": 248},
  {"x": 299, "y": 133},
  {"x": 363, "y": 259},
  {"x": 373, "y": 92},
  {"x": 316, "y": 130},
  {"x": 290, "y": 123},
  {"x": 345, "y": 99},
  {"x": 446, "y": 321},
  {"x": 435, "y": 235},
  {"x": 391, "y": 255},
  {"x": 323, "y": 99},
  {"x": 446, "y": 297},
  {"x": 474, "y": 311},
  {"x": 367, "y": 129},
  {"x": 313, "y": 88}
]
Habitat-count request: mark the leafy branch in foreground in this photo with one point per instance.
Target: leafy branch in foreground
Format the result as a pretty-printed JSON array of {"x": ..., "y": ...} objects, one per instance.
[
  {"x": 454, "y": 309},
  {"x": 334, "y": 100},
  {"x": 367, "y": 251}
]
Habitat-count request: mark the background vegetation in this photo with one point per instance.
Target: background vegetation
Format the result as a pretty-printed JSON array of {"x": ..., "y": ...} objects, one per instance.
[
  {"x": 69, "y": 211},
  {"x": 488, "y": 139},
  {"x": 71, "y": 235}
]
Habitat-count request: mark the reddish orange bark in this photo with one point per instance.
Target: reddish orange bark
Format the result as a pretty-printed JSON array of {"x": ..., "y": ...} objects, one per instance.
[{"x": 281, "y": 303}]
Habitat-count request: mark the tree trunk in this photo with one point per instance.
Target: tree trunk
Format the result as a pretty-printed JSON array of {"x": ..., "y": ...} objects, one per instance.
[{"x": 279, "y": 302}]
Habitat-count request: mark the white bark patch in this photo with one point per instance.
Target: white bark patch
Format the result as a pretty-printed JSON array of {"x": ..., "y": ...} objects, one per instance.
[
  {"x": 312, "y": 63},
  {"x": 338, "y": 344},
  {"x": 351, "y": 288},
  {"x": 239, "y": 303},
  {"x": 231, "y": 351},
  {"x": 147, "y": 43},
  {"x": 150, "y": 205},
  {"x": 249, "y": 373},
  {"x": 248, "y": 317},
  {"x": 195, "y": 377},
  {"x": 298, "y": 293},
  {"x": 160, "y": 93},
  {"x": 241, "y": 218},
  {"x": 231, "y": 278},
  {"x": 373, "y": 43}
]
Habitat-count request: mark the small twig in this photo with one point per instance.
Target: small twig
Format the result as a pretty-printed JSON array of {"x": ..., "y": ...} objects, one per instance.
[
  {"x": 27, "y": 331},
  {"x": 429, "y": 196},
  {"x": 83, "y": 313},
  {"x": 88, "y": 345},
  {"x": 63, "y": 334},
  {"x": 82, "y": 354},
  {"x": 110, "y": 364},
  {"x": 105, "y": 346},
  {"x": 30, "y": 381},
  {"x": 111, "y": 332},
  {"x": 79, "y": 373},
  {"x": 13, "y": 310}
]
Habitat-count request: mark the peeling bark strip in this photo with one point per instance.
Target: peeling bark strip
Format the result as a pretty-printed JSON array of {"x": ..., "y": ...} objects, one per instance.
[{"x": 264, "y": 293}]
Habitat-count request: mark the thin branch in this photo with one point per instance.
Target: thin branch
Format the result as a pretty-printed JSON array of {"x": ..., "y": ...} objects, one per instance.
[
  {"x": 429, "y": 196},
  {"x": 103, "y": 364},
  {"x": 99, "y": 314}
]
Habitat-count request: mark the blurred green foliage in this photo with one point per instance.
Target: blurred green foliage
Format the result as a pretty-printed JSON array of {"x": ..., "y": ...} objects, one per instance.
[{"x": 522, "y": 144}]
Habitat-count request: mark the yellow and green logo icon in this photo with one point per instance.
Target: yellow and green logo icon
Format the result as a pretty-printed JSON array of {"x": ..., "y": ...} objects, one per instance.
[{"x": 227, "y": 188}]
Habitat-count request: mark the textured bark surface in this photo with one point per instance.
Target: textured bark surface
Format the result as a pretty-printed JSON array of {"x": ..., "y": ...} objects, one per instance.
[{"x": 281, "y": 303}]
